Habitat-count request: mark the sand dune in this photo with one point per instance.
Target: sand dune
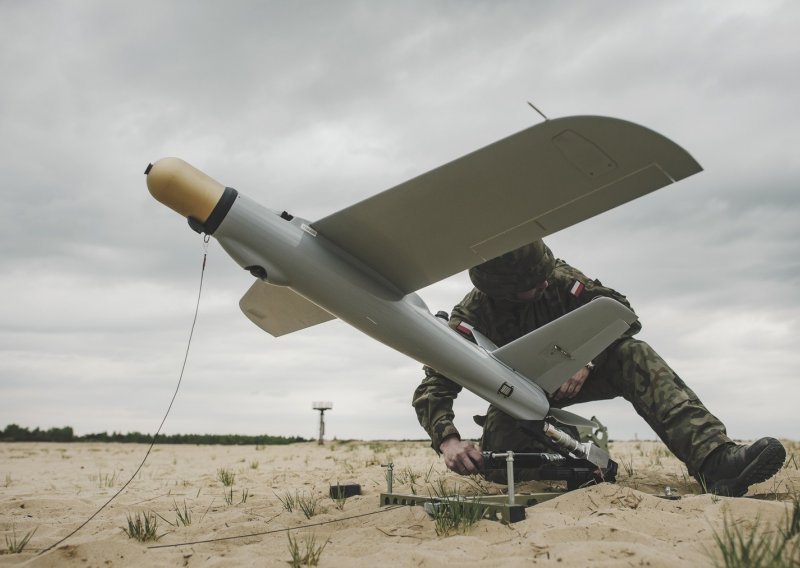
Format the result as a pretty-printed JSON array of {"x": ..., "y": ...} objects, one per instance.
[{"x": 53, "y": 488}]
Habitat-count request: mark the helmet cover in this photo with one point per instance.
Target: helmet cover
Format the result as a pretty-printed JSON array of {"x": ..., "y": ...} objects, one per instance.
[{"x": 517, "y": 271}]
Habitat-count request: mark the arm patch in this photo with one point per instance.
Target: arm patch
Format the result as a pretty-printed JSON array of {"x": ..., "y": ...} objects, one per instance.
[{"x": 577, "y": 288}]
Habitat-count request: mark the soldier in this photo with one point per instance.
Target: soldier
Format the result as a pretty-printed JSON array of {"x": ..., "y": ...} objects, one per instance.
[{"x": 527, "y": 288}]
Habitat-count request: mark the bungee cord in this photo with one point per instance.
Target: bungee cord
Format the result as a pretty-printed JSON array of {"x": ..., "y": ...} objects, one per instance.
[
  {"x": 273, "y": 531},
  {"x": 206, "y": 239}
]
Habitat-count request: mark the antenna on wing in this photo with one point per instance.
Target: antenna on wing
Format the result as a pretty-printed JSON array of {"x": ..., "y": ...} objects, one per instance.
[{"x": 537, "y": 110}]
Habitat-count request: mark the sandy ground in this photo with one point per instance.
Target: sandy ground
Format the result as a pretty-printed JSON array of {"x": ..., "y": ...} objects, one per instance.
[{"x": 53, "y": 488}]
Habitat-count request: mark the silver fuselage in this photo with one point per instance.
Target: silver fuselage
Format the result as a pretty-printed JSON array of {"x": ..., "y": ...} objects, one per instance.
[{"x": 295, "y": 255}]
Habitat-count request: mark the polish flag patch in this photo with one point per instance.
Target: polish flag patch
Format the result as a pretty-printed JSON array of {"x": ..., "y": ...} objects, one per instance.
[
  {"x": 577, "y": 288},
  {"x": 465, "y": 329}
]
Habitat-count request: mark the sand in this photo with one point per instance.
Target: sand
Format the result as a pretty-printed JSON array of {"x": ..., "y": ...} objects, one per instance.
[{"x": 53, "y": 488}]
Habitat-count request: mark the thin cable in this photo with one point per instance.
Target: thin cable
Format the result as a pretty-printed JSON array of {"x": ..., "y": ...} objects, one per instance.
[
  {"x": 175, "y": 394},
  {"x": 287, "y": 529}
]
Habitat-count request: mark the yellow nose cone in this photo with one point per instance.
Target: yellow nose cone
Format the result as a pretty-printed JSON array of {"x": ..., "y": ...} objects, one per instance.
[{"x": 183, "y": 188}]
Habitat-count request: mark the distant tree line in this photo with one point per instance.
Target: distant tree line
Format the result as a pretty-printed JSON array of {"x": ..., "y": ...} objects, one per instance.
[{"x": 15, "y": 433}]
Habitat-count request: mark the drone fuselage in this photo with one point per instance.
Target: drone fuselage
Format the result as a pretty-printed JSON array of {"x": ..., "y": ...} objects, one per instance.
[{"x": 286, "y": 251}]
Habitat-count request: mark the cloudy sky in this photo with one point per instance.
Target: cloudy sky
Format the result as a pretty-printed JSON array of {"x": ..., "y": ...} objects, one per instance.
[{"x": 310, "y": 106}]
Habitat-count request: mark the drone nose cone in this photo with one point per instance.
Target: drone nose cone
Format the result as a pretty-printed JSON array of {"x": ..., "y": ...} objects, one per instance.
[{"x": 183, "y": 188}]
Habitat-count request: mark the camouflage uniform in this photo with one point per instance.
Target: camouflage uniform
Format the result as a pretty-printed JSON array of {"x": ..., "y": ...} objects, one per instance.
[{"x": 629, "y": 368}]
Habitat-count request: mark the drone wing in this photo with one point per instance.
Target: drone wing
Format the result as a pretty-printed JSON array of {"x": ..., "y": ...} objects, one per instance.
[
  {"x": 519, "y": 189},
  {"x": 279, "y": 310}
]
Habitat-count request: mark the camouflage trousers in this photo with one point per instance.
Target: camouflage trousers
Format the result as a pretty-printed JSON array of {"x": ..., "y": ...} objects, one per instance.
[{"x": 634, "y": 371}]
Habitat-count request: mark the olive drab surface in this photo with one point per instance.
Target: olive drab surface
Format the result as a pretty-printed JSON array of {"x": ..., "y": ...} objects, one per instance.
[{"x": 629, "y": 368}]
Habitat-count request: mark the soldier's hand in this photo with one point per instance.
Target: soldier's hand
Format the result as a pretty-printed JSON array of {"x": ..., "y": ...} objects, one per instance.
[
  {"x": 573, "y": 385},
  {"x": 462, "y": 457}
]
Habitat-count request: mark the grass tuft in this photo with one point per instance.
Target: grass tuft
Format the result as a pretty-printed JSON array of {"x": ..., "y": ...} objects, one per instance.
[
  {"x": 183, "y": 516},
  {"x": 757, "y": 546},
  {"x": 16, "y": 546},
  {"x": 226, "y": 476},
  {"x": 308, "y": 554},
  {"x": 339, "y": 497},
  {"x": 287, "y": 500},
  {"x": 309, "y": 504},
  {"x": 793, "y": 522},
  {"x": 142, "y": 527},
  {"x": 453, "y": 514},
  {"x": 627, "y": 465}
]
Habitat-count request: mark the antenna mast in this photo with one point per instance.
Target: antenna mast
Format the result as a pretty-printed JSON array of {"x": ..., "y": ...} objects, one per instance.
[{"x": 322, "y": 407}]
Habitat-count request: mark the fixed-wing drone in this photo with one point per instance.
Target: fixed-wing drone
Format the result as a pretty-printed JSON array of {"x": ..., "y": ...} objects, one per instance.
[{"x": 365, "y": 263}]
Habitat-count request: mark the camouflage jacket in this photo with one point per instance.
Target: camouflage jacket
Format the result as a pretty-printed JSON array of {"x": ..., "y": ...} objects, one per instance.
[{"x": 503, "y": 321}]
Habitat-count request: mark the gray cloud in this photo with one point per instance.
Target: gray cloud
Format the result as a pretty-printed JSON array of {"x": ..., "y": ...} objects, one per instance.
[{"x": 310, "y": 107}]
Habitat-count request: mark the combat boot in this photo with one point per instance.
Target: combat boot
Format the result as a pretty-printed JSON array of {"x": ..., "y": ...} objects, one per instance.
[{"x": 730, "y": 469}]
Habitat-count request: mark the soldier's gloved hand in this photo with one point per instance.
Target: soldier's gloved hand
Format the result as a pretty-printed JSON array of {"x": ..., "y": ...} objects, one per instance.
[
  {"x": 573, "y": 385},
  {"x": 462, "y": 457}
]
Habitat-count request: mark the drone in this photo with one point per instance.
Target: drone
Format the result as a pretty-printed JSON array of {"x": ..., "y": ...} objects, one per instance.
[{"x": 365, "y": 263}]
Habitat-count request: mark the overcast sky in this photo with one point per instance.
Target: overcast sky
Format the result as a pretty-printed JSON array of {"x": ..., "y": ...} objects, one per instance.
[{"x": 310, "y": 106}]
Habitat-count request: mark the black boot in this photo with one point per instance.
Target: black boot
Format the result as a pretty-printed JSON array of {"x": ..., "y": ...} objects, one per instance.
[{"x": 730, "y": 469}]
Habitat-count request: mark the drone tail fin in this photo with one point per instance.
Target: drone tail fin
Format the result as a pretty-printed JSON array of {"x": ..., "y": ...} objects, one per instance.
[{"x": 550, "y": 355}]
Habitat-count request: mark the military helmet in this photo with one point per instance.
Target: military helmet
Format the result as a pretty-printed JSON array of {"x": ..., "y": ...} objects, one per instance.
[{"x": 517, "y": 271}]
